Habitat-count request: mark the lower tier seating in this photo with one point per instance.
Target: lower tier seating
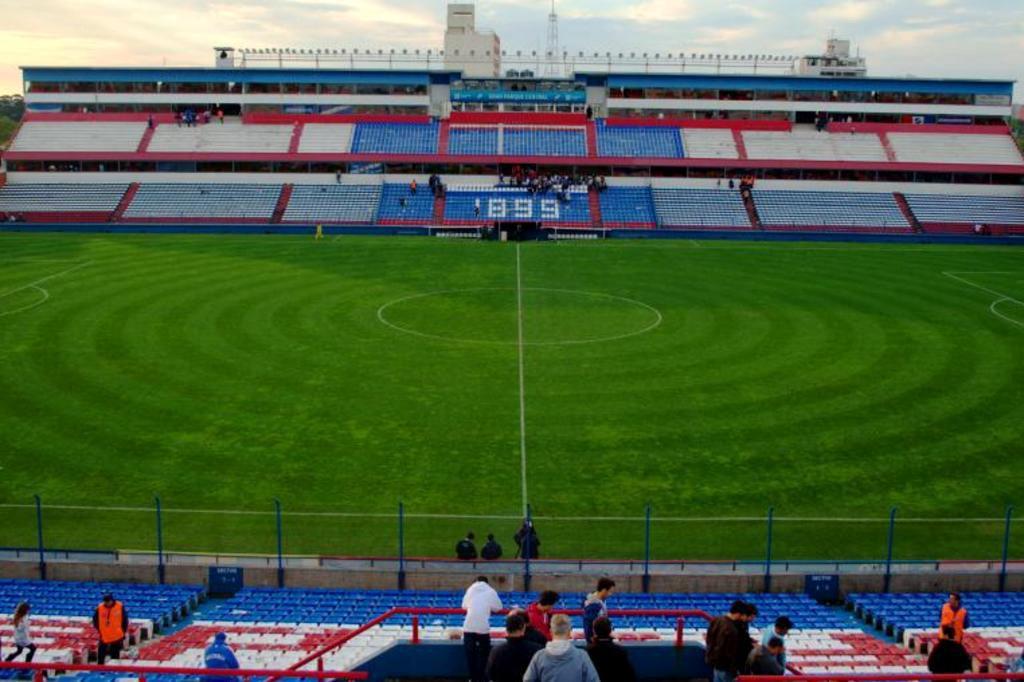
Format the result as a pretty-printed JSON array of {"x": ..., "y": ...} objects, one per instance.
[
  {"x": 333, "y": 204},
  {"x": 62, "y": 639},
  {"x": 627, "y": 207},
  {"x": 939, "y": 211},
  {"x": 700, "y": 209},
  {"x": 204, "y": 202},
  {"x": 468, "y": 205},
  {"x": 994, "y": 648},
  {"x": 837, "y": 211},
  {"x": 399, "y": 206},
  {"x": 849, "y": 652},
  {"x": 60, "y": 198},
  {"x": 920, "y": 612}
]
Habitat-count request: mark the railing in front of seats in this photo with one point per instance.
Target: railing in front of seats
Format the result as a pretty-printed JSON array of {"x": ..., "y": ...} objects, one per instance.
[
  {"x": 141, "y": 672},
  {"x": 341, "y": 640}
]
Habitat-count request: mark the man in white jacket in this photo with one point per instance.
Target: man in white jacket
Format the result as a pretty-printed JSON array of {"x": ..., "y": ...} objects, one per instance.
[{"x": 480, "y": 601}]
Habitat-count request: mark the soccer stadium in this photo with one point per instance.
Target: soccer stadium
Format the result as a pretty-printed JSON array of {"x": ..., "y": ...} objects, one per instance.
[{"x": 396, "y": 364}]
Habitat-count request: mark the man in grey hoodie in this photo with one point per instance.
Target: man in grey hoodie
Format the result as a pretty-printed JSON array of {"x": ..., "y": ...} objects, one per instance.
[{"x": 560, "y": 661}]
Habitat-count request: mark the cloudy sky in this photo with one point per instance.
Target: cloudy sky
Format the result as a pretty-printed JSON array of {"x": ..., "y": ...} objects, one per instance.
[{"x": 941, "y": 38}]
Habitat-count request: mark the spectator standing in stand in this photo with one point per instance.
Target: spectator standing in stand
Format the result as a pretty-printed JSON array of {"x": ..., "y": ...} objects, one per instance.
[
  {"x": 491, "y": 550},
  {"x": 219, "y": 656},
  {"x": 111, "y": 622},
  {"x": 479, "y": 602},
  {"x": 949, "y": 656},
  {"x": 723, "y": 644},
  {"x": 781, "y": 628},
  {"x": 561, "y": 661},
  {"x": 764, "y": 658},
  {"x": 220, "y": 116},
  {"x": 412, "y": 187},
  {"x": 610, "y": 660},
  {"x": 22, "y": 635},
  {"x": 508, "y": 662},
  {"x": 954, "y": 614},
  {"x": 539, "y": 612},
  {"x": 594, "y": 606},
  {"x": 465, "y": 549}
]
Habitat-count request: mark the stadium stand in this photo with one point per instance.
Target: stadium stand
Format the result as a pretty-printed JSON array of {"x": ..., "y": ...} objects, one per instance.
[
  {"x": 62, "y": 612},
  {"x": 217, "y": 138},
  {"x": 700, "y": 209},
  {"x": 418, "y": 208},
  {"x": 959, "y": 213},
  {"x": 699, "y": 143},
  {"x": 333, "y": 204},
  {"x": 326, "y": 138},
  {"x": 476, "y": 141},
  {"x": 810, "y": 145},
  {"x": 156, "y": 201},
  {"x": 78, "y": 136},
  {"x": 830, "y": 211},
  {"x": 61, "y": 198},
  {"x": 549, "y": 141},
  {"x": 848, "y": 652},
  {"x": 943, "y": 148},
  {"x": 396, "y": 138},
  {"x": 512, "y": 203},
  {"x": 636, "y": 141},
  {"x": 628, "y": 207}
]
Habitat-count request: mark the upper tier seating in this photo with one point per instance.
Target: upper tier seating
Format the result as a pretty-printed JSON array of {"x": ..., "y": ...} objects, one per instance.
[
  {"x": 987, "y": 210},
  {"x": 525, "y": 141},
  {"x": 830, "y": 210},
  {"x": 810, "y": 145},
  {"x": 326, "y": 138},
  {"x": 217, "y": 138},
  {"x": 627, "y": 207},
  {"x": 476, "y": 141},
  {"x": 699, "y": 143},
  {"x": 75, "y": 136},
  {"x": 635, "y": 141},
  {"x": 164, "y": 200},
  {"x": 333, "y": 204},
  {"x": 700, "y": 208},
  {"x": 418, "y": 208},
  {"x": 512, "y": 203},
  {"x": 62, "y": 198},
  {"x": 396, "y": 138},
  {"x": 941, "y": 148}
]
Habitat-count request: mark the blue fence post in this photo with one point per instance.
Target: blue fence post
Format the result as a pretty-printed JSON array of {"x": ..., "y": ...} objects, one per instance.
[
  {"x": 768, "y": 551},
  {"x": 647, "y": 549},
  {"x": 527, "y": 550},
  {"x": 1006, "y": 548},
  {"x": 401, "y": 546},
  {"x": 280, "y": 544},
  {"x": 39, "y": 537},
  {"x": 889, "y": 544},
  {"x": 161, "y": 573}
]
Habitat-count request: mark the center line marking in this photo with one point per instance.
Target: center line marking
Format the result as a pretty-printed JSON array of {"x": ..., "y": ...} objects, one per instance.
[{"x": 522, "y": 375}]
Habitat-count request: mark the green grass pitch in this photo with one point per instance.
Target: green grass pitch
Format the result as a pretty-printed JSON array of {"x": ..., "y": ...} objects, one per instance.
[{"x": 708, "y": 379}]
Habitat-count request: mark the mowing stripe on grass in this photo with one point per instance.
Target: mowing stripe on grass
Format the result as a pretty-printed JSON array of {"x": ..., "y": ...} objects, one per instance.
[{"x": 522, "y": 375}]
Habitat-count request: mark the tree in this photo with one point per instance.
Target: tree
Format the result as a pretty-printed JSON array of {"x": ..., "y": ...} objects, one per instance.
[{"x": 12, "y": 107}]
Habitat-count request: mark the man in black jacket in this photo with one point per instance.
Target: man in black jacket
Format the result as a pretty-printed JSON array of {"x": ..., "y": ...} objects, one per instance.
[
  {"x": 610, "y": 659},
  {"x": 949, "y": 656},
  {"x": 508, "y": 662},
  {"x": 492, "y": 550},
  {"x": 465, "y": 549}
]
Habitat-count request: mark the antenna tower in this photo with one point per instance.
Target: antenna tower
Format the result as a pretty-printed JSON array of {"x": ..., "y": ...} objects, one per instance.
[{"x": 552, "y": 66}]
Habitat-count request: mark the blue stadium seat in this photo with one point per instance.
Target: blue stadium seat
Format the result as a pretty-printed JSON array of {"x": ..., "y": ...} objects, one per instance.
[
  {"x": 523, "y": 141},
  {"x": 396, "y": 138},
  {"x": 510, "y": 203},
  {"x": 627, "y": 207},
  {"x": 473, "y": 141},
  {"x": 638, "y": 141},
  {"x": 418, "y": 209}
]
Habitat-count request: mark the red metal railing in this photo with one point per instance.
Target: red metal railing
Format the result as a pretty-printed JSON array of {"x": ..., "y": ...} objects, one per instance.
[
  {"x": 332, "y": 645},
  {"x": 141, "y": 671}
]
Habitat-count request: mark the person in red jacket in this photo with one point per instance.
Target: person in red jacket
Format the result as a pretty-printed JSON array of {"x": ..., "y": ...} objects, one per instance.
[{"x": 539, "y": 612}]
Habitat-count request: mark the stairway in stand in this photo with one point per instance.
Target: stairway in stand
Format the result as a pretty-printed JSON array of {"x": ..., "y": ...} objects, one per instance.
[
  {"x": 908, "y": 213},
  {"x": 755, "y": 217},
  {"x": 282, "y": 203},
  {"x": 596, "y": 219},
  {"x": 126, "y": 201}
]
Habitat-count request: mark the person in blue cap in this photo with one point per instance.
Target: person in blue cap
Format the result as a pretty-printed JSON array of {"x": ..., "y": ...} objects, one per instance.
[{"x": 219, "y": 656}]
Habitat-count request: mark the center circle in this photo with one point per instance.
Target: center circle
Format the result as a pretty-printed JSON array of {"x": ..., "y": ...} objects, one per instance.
[{"x": 550, "y": 317}]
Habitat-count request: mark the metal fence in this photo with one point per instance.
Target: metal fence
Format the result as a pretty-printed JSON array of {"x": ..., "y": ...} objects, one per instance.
[{"x": 645, "y": 544}]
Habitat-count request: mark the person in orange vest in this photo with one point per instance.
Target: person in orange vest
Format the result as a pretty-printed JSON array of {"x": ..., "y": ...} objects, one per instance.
[
  {"x": 955, "y": 616},
  {"x": 111, "y": 622}
]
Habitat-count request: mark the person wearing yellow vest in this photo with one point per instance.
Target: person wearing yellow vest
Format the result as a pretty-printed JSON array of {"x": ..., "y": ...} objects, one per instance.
[
  {"x": 954, "y": 615},
  {"x": 111, "y": 622}
]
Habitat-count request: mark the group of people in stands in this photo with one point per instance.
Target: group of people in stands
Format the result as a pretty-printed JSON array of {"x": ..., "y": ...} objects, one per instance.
[
  {"x": 536, "y": 183},
  {"x": 538, "y": 643},
  {"x": 191, "y": 118},
  {"x": 526, "y": 539},
  {"x": 12, "y": 217},
  {"x": 732, "y": 651}
]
